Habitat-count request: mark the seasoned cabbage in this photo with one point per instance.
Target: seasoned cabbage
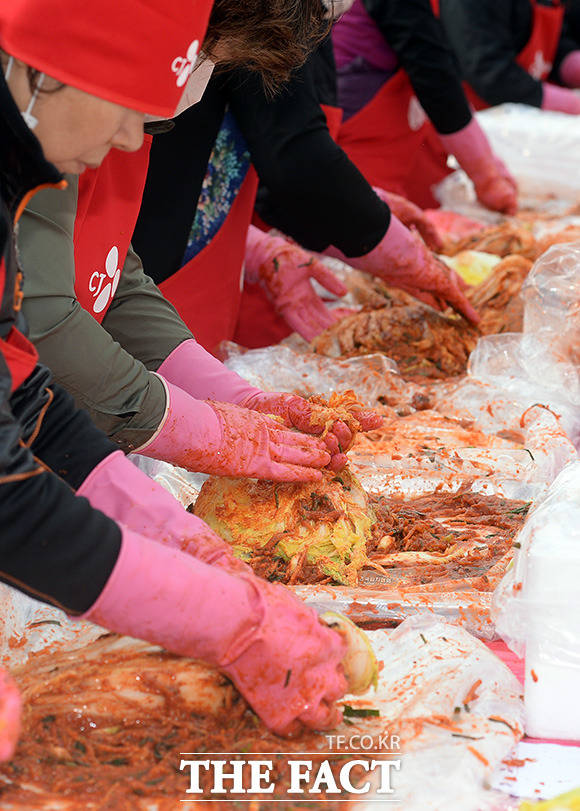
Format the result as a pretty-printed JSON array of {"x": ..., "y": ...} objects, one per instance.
[{"x": 312, "y": 530}]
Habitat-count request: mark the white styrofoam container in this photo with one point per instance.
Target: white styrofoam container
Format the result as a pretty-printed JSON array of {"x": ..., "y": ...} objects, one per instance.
[{"x": 551, "y": 591}]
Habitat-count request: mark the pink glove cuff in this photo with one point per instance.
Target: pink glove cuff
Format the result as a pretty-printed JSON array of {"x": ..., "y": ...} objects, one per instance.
[
  {"x": 570, "y": 69},
  {"x": 398, "y": 237},
  {"x": 494, "y": 185},
  {"x": 97, "y": 480},
  {"x": 398, "y": 247},
  {"x": 202, "y": 376},
  {"x": 189, "y": 428},
  {"x": 471, "y": 148},
  {"x": 227, "y": 440},
  {"x": 122, "y": 491},
  {"x": 176, "y": 601},
  {"x": 560, "y": 99}
]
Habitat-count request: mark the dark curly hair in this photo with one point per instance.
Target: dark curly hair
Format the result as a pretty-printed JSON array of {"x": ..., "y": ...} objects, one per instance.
[{"x": 271, "y": 37}]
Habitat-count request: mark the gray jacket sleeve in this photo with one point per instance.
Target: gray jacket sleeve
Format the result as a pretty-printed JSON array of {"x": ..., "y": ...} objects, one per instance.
[
  {"x": 98, "y": 364},
  {"x": 141, "y": 319}
]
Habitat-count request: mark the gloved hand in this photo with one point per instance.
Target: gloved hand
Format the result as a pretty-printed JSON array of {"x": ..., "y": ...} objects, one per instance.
[
  {"x": 193, "y": 369},
  {"x": 286, "y": 271},
  {"x": 226, "y": 440},
  {"x": 119, "y": 489},
  {"x": 402, "y": 260},
  {"x": 276, "y": 651},
  {"x": 10, "y": 712},
  {"x": 494, "y": 185},
  {"x": 570, "y": 69},
  {"x": 412, "y": 217},
  {"x": 299, "y": 413},
  {"x": 560, "y": 99}
]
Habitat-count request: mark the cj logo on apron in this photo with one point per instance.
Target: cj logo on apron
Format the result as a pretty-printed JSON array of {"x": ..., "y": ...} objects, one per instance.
[
  {"x": 103, "y": 286},
  {"x": 416, "y": 115},
  {"x": 183, "y": 65},
  {"x": 539, "y": 67}
]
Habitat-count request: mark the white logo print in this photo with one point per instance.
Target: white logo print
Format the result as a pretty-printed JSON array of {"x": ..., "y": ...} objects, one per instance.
[
  {"x": 416, "y": 115},
  {"x": 539, "y": 67},
  {"x": 103, "y": 286},
  {"x": 183, "y": 65}
]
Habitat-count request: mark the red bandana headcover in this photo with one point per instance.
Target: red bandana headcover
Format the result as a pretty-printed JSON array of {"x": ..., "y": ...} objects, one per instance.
[{"x": 136, "y": 53}]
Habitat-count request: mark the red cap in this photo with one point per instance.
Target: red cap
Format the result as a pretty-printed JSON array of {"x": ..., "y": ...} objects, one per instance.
[{"x": 136, "y": 53}]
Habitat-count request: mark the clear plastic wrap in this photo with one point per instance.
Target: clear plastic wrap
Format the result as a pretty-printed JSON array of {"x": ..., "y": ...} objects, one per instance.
[
  {"x": 467, "y": 609},
  {"x": 182, "y": 484},
  {"x": 540, "y": 365},
  {"x": 28, "y": 625},
  {"x": 552, "y": 299},
  {"x": 457, "y": 709},
  {"x": 518, "y": 462},
  {"x": 536, "y": 608},
  {"x": 282, "y": 368}
]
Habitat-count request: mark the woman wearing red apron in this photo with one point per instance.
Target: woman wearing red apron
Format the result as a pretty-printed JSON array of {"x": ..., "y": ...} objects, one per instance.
[
  {"x": 82, "y": 529},
  {"x": 310, "y": 190},
  {"x": 154, "y": 572},
  {"x": 507, "y": 51},
  {"x": 140, "y": 372},
  {"x": 405, "y": 110}
]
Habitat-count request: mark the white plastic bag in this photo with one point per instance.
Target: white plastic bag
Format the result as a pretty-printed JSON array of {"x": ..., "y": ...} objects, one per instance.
[{"x": 536, "y": 608}]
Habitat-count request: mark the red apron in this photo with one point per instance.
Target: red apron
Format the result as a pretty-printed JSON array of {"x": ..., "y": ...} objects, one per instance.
[
  {"x": 19, "y": 354},
  {"x": 537, "y": 56},
  {"x": 109, "y": 200},
  {"x": 333, "y": 119},
  {"x": 394, "y": 144},
  {"x": 207, "y": 290},
  {"x": 259, "y": 324}
]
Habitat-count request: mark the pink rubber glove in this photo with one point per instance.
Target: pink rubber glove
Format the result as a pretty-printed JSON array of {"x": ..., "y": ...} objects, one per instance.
[
  {"x": 570, "y": 69},
  {"x": 402, "y": 260},
  {"x": 286, "y": 270},
  {"x": 494, "y": 185},
  {"x": 560, "y": 99},
  {"x": 10, "y": 712},
  {"x": 119, "y": 489},
  {"x": 193, "y": 369},
  {"x": 412, "y": 217},
  {"x": 275, "y": 650},
  {"x": 226, "y": 440},
  {"x": 299, "y": 413}
]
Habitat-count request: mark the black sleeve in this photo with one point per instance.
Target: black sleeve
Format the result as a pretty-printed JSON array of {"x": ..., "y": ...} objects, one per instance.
[
  {"x": 53, "y": 545},
  {"x": 177, "y": 167},
  {"x": 417, "y": 38},
  {"x": 484, "y": 35},
  {"x": 310, "y": 189},
  {"x": 568, "y": 39},
  {"x": 572, "y": 19}
]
